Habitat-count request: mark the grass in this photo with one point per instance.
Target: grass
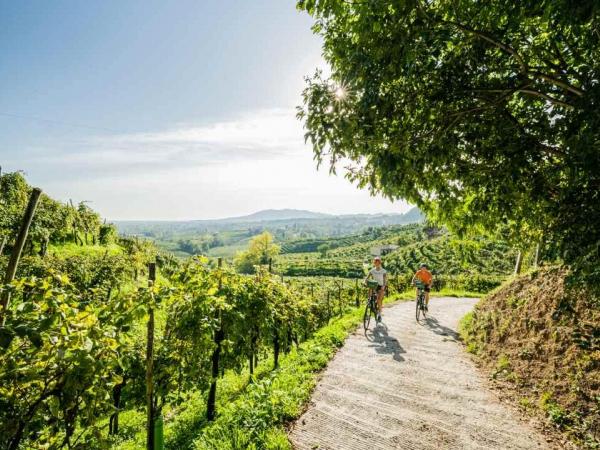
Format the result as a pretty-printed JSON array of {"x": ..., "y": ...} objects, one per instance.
[
  {"x": 256, "y": 419},
  {"x": 71, "y": 249},
  {"x": 253, "y": 415},
  {"x": 446, "y": 292}
]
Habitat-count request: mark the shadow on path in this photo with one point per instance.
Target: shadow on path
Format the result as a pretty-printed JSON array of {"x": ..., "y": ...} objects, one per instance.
[
  {"x": 385, "y": 344},
  {"x": 432, "y": 324}
]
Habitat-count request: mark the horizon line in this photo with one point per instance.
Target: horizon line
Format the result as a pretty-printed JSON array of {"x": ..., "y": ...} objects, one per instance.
[{"x": 263, "y": 220}]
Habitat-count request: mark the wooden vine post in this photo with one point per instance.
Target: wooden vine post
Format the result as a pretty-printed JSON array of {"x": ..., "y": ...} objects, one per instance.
[
  {"x": 340, "y": 287},
  {"x": 276, "y": 340},
  {"x": 150, "y": 365},
  {"x": 519, "y": 263},
  {"x": 536, "y": 259},
  {"x": 15, "y": 255},
  {"x": 218, "y": 338}
]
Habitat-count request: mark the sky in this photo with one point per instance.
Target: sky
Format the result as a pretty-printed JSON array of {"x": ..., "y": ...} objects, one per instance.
[{"x": 161, "y": 110}]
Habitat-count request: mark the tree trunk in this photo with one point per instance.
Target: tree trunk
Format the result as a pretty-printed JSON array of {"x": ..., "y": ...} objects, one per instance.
[{"x": 2, "y": 244}]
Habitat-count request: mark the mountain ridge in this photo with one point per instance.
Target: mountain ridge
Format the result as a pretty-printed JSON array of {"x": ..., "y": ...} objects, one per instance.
[{"x": 268, "y": 215}]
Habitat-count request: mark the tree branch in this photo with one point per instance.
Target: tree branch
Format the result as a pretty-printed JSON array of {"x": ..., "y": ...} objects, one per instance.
[
  {"x": 487, "y": 37},
  {"x": 557, "y": 82},
  {"x": 547, "y": 97}
]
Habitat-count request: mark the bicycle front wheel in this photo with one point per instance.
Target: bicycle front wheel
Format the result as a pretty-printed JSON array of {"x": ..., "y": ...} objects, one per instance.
[
  {"x": 367, "y": 315},
  {"x": 419, "y": 305}
]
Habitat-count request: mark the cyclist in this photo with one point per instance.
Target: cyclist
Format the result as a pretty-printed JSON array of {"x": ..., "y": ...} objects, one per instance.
[
  {"x": 425, "y": 277},
  {"x": 379, "y": 274}
]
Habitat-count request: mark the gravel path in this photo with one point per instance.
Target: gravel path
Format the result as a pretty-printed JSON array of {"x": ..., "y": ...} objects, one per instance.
[{"x": 409, "y": 386}]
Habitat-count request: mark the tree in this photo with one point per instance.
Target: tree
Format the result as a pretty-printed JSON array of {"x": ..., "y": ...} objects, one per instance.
[
  {"x": 478, "y": 115},
  {"x": 107, "y": 234},
  {"x": 89, "y": 221},
  {"x": 260, "y": 251}
]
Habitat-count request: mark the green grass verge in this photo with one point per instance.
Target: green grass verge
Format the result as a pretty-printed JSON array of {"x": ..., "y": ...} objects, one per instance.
[
  {"x": 446, "y": 292},
  {"x": 251, "y": 415},
  {"x": 256, "y": 419}
]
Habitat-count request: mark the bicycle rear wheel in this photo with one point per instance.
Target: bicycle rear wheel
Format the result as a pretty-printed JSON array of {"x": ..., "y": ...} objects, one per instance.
[
  {"x": 419, "y": 306},
  {"x": 367, "y": 315}
]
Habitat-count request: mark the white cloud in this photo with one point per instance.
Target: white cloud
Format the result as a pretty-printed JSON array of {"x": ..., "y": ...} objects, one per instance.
[
  {"x": 255, "y": 161},
  {"x": 272, "y": 128},
  {"x": 258, "y": 135}
]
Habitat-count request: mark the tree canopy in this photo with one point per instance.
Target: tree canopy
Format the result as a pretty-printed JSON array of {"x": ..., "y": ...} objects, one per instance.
[
  {"x": 480, "y": 115},
  {"x": 260, "y": 251}
]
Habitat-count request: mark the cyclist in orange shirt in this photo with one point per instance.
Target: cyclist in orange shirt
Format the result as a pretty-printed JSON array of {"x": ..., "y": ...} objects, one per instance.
[{"x": 425, "y": 277}]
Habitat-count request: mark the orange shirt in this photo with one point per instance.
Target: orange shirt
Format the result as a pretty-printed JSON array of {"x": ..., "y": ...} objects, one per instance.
[{"x": 424, "y": 275}]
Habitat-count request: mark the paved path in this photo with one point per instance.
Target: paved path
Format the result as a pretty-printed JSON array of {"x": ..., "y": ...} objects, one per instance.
[{"x": 409, "y": 386}]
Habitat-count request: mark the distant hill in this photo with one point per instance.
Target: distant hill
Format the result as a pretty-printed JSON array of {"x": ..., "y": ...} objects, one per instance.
[
  {"x": 225, "y": 237},
  {"x": 320, "y": 223},
  {"x": 274, "y": 214}
]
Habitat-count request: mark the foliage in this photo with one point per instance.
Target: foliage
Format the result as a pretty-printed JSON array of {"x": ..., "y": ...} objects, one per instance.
[
  {"x": 261, "y": 250},
  {"x": 476, "y": 264},
  {"x": 59, "y": 354},
  {"x": 107, "y": 234},
  {"x": 53, "y": 223},
  {"x": 478, "y": 115},
  {"x": 139, "y": 253},
  {"x": 256, "y": 418}
]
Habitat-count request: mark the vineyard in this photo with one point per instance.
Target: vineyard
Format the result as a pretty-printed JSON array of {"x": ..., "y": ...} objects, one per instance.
[
  {"x": 74, "y": 356},
  {"x": 93, "y": 338},
  {"x": 458, "y": 137},
  {"x": 108, "y": 341},
  {"x": 477, "y": 265}
]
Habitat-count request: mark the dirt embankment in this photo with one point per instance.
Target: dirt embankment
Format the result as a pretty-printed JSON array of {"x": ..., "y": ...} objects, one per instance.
[{"x": 541, "y": 340}]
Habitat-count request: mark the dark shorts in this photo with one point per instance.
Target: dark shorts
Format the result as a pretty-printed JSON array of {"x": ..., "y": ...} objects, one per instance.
[
  {"x": 379, "y": 288},
  {"x": 427, "y": 288}
]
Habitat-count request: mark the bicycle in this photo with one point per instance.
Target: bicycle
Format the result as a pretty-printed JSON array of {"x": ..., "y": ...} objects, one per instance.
[
  {"x": 371, "y": 306},
  {"x": 420, "y": 300}
]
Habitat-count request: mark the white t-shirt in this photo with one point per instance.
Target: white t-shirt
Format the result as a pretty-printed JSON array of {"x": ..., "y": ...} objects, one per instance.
[{"x": 378, "y": 275}]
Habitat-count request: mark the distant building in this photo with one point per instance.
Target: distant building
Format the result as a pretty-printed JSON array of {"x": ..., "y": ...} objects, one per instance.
[{"x": 382, "y": 250}]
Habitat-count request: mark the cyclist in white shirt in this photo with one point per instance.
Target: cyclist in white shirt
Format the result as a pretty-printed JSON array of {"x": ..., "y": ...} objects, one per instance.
[{"x": 379, "y": 274}]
